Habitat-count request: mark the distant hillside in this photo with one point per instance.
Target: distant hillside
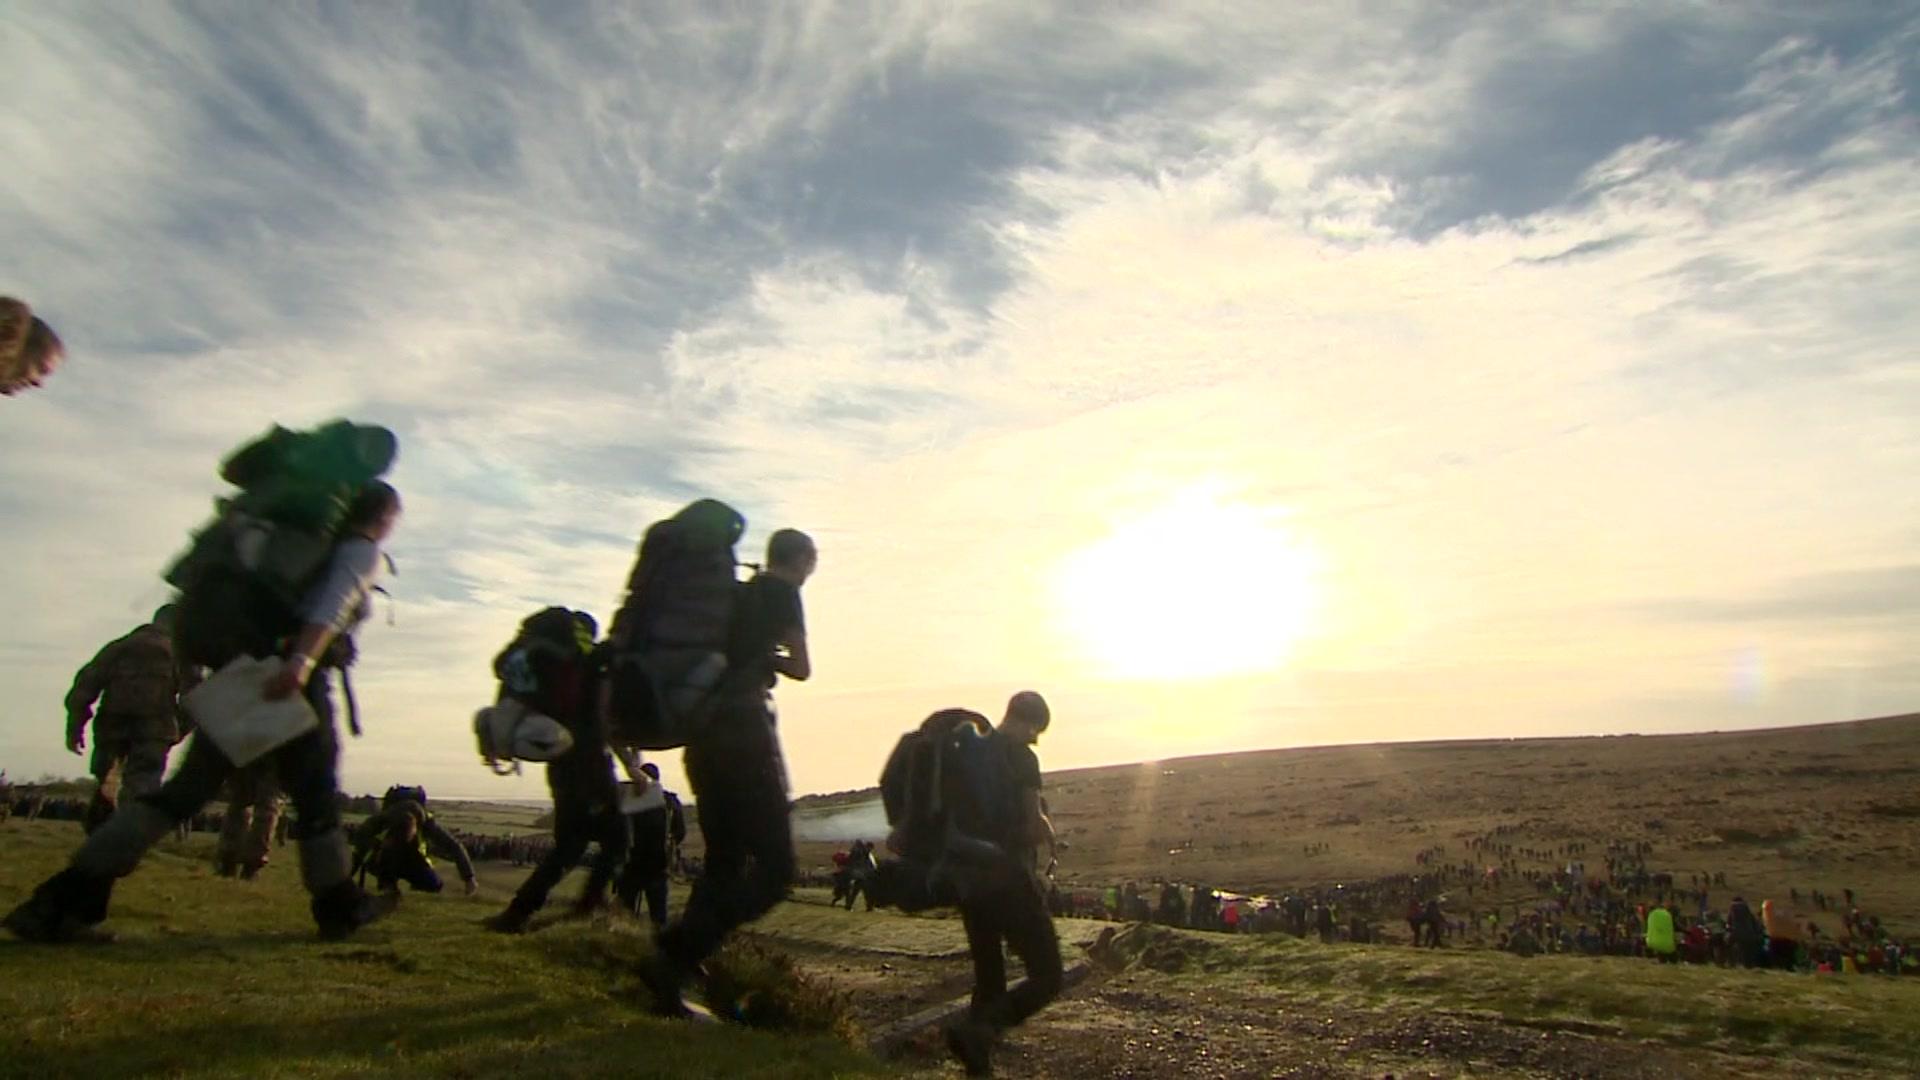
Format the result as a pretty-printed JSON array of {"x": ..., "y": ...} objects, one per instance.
[{"x": 1826, "y": 806}]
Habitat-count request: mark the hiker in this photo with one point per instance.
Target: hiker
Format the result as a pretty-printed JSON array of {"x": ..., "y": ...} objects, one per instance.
[
  {"x": 1002, "y": 904},
  {"x": 1434, "y": 920},
  {"x": 659, "y": 826},
  {"x": 1660, "y": 940},
  {"x": 1746, "y": 935},
  {"x": 1203, "y": 908},
  {"x": 739, "y": 778},
  {"x": 137, "y": 684},
  {"x": 253, "y": 812},
  {"x": 853, "y": 871},
  {"x": 549, "y": 667},
  {"x": 1783, "y": 937},
  {"x": 1173, "y": 907},
  {"x": 29, "y": 349},
  {"x": 392, "y": 845},
  {"x": 69, "y": 905}
]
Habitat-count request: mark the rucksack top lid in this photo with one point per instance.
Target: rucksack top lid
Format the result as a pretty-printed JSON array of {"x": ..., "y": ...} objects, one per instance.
[
  {"x": 354, "y": 453},
  {"x": 307, "y": 478},
  {"x": 404, "y": 792},
  {"x": 552, "y": 625},
  {"x": 708, "y": 523},
  {"x": 947, "y": 721}
]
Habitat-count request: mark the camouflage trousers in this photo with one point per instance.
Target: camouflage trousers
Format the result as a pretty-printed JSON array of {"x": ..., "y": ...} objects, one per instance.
[
  {"x": 253, "y": 810},
  {"x": 128, "y": 764}
]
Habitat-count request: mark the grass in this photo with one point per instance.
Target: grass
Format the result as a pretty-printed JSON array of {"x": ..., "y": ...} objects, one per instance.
[
  {"x": 225, "y": 979},
  {"x": 221, "y": 978}
]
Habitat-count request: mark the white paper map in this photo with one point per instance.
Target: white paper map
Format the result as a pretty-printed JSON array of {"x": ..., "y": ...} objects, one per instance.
[{"x": 231, "y": 710}]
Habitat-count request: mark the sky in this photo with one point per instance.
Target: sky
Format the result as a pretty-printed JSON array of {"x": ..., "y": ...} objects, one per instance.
[{"x": 1236, "y": 375}]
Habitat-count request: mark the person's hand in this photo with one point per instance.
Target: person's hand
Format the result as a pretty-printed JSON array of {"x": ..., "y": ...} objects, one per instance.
[
  {"x": 76, "y": 742},
  {"x": 289, "y": 680}
]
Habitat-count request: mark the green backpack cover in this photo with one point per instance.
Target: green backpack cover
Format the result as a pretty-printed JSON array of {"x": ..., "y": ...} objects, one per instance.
[{"x": 247, "y": 569}]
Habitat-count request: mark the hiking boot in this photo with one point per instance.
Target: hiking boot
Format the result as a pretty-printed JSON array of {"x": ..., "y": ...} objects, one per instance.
[
  {"x": 664, "y": 979},
  {"x": 507, "y": 922},
  {"x": 29, "y": 922},
  {"x": 367, "y": 909},
  {"x": 971, "y": 1043}
]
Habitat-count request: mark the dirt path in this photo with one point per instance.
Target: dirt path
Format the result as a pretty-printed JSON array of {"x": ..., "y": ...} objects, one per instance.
[{"x": 1139, "y": 1023}]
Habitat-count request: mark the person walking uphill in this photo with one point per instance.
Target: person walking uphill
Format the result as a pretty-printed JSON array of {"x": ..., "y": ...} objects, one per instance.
[
  {"x": 137, "y": 685},
  {"x": 738, "y": 777},
  {"x": 549, "y": 668},
  {"x": 69, "y": 905},
  {"x": 1002, "y": 904}
]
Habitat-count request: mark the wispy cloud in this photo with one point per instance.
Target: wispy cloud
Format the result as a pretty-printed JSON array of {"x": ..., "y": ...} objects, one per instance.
[{"x": 1521, "y": 315}]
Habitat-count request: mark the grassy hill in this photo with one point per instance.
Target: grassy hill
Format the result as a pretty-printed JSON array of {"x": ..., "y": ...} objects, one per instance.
[
  {"x": 1830, "y": 807},
  {"x": 221, "y": 978}
]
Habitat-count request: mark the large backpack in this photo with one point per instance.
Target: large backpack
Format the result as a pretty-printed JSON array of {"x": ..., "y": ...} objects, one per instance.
[
  {"x": 948, "y": 789},
  {"x": 401, "y": 794},
  {"x": 513, "y": 729},
  {"x": 669, "y": 639},
  {"x": 248, "y": 569}
]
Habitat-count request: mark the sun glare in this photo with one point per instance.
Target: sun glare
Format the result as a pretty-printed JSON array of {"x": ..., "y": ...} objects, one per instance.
[{"x": 1197, "y": 588}]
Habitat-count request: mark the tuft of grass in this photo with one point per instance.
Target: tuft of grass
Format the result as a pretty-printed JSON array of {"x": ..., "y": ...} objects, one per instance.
[{"x": 760, "y": 987}]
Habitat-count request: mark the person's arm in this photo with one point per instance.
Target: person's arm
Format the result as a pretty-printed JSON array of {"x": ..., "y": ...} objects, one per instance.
[
  {"x": 790, "y": 657},
  {"x": 328, "y": 611},
  {"x": 88, "y": 683},
  {"x": 1035, "y": 827},
  {"x": 790, "y": 648},
  {"x": 630, "y": 763},
  {"x": 451, "y": 846}
]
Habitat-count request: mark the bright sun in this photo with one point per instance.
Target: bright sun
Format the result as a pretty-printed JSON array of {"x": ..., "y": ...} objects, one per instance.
[{"x": 1198, "y": 588}]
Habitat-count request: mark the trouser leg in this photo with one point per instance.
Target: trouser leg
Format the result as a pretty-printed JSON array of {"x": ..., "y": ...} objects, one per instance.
[
  {"x": 611, "y": 839},
  {"x": 113, "y": 849},
  {"x": 569, "y": 843},
  {"x": 656, "y": 893},
  {"x": 1012, "y": 910},
  {"x": 984, "y": 946},
  {"x": 750, "y": 860}
]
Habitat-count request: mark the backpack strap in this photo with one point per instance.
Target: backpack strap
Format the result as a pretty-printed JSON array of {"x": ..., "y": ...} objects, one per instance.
[{"x": 353, "y": 706}]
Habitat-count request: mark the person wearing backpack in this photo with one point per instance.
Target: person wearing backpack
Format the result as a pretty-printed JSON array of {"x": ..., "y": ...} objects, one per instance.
[
  {"x": 549, "y": 668},
  {"x": 1002, "y": 902},
  {"x": 137, "y": 685},
  {"x": 70, "y": 905},
  {"x": 737, "y": 774},
  {"x": 392, "y": 845}
]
